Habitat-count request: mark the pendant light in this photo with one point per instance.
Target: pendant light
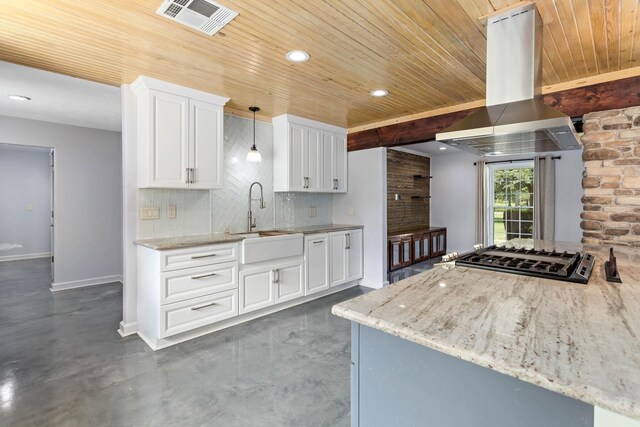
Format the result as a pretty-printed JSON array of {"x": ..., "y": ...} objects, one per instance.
[{"x": 253, "y": 155}]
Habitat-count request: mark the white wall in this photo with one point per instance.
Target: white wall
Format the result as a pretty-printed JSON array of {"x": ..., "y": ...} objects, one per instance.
[
  {"x": 453, "y": 196},
  {"x": 87, "y": 198},
  {"x": 367, "y": 196},
  {"x": 25, "y": 182}
]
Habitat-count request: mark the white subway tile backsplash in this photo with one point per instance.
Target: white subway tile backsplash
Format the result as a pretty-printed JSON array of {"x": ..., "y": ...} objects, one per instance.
[{"x": 202, "y": 211}]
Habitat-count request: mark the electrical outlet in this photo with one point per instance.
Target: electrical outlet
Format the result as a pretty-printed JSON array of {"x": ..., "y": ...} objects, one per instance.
[
  {"x": 312, "y": 211},
  {"x": 172, "y": 211},
  {"x": 29, "y": 207},
  {"x": 350, "y": 211},
  {"x": 150, "y": 212}
]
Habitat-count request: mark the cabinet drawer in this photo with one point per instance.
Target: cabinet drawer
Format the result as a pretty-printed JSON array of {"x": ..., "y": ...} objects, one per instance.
[
  {"x": 187, "y": 315},
  {"x": 189, "y": 283},
  {"x": 196, "y": 257}
]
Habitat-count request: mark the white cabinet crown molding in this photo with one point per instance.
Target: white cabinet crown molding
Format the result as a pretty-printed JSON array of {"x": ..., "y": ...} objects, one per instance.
[
  {"x": 309, "y": 123},
  {"x": 144, "y": 82}
]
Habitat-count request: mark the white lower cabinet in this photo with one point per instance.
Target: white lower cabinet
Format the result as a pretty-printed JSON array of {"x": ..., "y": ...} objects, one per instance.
[
  {"x": 181, "y": 290},
  {"x": 266, "y": 284},
  {"x": 256, "y": 288},
  {"x": 193, "y": 313},
  {"x": 316, "y": 261},
  {"x": 184, "y": 293},
  {"x": 346, "y": 256}
]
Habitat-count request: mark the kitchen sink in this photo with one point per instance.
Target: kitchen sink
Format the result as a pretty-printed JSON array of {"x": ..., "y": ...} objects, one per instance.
[{"x": 267, "y": 245}]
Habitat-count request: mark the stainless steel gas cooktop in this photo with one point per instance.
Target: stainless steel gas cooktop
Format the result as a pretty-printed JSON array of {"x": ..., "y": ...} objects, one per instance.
[{"x": 570, "y": 267}]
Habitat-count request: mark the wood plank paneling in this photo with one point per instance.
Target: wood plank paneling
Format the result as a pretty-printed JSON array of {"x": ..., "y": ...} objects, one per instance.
[
  {"x": 430, "y": 55},
  {"x": 574, "y": 102},
  {"x": 407, "y": 175}
]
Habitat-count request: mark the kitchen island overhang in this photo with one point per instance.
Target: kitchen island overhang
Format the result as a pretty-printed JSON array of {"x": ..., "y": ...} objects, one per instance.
[{"x": 580, "y": 342}]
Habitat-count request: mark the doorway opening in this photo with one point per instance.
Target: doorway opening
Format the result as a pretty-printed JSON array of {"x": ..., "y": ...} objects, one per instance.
[{"x": 27, "y": 204}]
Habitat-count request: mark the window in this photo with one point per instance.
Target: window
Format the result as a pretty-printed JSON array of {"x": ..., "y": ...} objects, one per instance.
[{"x": 510, "y": 201}]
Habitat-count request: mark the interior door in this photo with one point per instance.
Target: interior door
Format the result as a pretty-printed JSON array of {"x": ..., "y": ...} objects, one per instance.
[
  {"x": 169, "y": 156},
  {"x": 205, "y": 143},
  {"x": 299, "y": 161},
  {"x": 289, "y": 281},
  {"x": 337, "y": 258},
  {"x": 51, "y": 164}
]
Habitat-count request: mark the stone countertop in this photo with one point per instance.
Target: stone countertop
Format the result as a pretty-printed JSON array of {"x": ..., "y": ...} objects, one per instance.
[
  {"x": 582, "y": 341},
  {"x": 167, "y": 243},
  {"x": 326, "y": 228}
]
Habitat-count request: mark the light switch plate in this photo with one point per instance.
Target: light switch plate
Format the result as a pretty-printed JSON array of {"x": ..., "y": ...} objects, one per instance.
[
  {"x": 29, "y": 207},
  {"x": 312, "y": 211},
  {"x": 150, "y": 212},
  {"x": 350, "y": 211},
  {"x": 172, "y": 211}
]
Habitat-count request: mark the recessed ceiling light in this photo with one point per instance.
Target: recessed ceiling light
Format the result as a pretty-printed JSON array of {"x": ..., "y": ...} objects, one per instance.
[
  {"x": 443, "y": 148},
  {"x": 379, "y": 92},
  {"x": 297, "y": 56},
  {"x": 19, "y": 98}
]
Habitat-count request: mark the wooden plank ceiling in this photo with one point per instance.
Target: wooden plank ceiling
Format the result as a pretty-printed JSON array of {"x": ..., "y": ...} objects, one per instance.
[{"x": 428, "y": 54}]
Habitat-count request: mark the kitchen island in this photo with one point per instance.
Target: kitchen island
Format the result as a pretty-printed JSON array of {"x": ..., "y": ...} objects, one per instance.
[{"x": 463, "y": 346}]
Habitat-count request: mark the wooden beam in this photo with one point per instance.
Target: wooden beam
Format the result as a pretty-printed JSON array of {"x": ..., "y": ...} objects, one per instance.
[{"x": 573, "y": 102}]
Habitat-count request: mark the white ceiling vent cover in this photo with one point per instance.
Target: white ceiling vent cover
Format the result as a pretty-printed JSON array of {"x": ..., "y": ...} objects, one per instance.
[{"x": 203, "y": 15}]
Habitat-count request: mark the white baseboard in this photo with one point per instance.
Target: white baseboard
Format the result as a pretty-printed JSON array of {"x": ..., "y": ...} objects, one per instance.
[
  {"x": 63, "y": 286},
  {"x": 24, "y": 256},
  {"x": 127, "y": 329}
]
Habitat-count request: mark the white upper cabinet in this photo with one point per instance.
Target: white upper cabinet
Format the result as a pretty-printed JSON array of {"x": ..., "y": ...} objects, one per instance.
[
  {"x": 334, "y": 162},
  {"x": 308, "y": 156},
  {"x": 179, "y": 136}
]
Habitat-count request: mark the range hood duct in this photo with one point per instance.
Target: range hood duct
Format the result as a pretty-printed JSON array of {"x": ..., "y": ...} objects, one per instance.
[{"x": 515, "y": 120}]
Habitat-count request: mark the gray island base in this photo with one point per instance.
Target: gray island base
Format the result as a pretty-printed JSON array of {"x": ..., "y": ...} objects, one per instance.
[{"x": 395, "y": 382}]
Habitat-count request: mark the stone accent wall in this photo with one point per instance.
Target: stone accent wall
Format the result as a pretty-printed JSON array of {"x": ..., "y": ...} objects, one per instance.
[{"x": 611, "y": 179}]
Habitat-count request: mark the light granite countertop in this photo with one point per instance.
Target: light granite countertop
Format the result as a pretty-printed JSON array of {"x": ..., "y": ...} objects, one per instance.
[
  {"x": 582, "y": 341},
  {"x": 326, "y": 228},
  {"x": 167, "y": 243}
]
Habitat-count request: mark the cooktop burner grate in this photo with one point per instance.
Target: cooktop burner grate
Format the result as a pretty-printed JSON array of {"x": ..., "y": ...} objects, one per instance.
[{"x": 573, "y": 267}]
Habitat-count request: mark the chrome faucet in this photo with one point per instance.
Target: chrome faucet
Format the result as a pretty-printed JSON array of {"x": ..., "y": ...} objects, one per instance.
[{"x": 251, "y": 222}]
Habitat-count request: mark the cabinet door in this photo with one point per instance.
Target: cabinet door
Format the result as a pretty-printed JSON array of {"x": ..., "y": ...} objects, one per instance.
[
  {"x": 256, "y": 289},
  {"x": 168, "y": 155},
  {"x": 417, "y": 248},
  {"x": 298, "y": 157},
  {"x": 354, "y": 255},
  {"x": 395, "y": 254},
  {"x": 340, "y": 163},
  {"x": 328, "y": 148},
  {"x": 425, "y": 241},
  {"x": 289, "y": 281},
  {"x": 205, "y": 145},
  {"x": 314, "y": 159},
  {"x": 337, "y": 258},
  {"x": 317, "y": 263},
  {"x": 406, "y": 251}
]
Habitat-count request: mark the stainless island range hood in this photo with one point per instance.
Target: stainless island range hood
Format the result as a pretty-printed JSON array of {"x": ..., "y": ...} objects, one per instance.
[{"x": 514, "y": 121}]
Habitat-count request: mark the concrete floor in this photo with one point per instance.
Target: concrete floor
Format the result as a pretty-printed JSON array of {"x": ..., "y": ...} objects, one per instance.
[{"x": 62, "y": 363}]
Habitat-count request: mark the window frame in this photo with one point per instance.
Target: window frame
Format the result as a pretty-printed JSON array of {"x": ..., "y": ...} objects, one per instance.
[{"x": 490, "y": 195}]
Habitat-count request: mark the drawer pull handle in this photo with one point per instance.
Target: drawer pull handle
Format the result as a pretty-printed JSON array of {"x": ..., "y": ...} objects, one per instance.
[
  {"x": 318, "y": 241},
  {"x": 200, "y": 307},
  {"x": 202, "y": 276},
  {"x": 203, "y": 256}
]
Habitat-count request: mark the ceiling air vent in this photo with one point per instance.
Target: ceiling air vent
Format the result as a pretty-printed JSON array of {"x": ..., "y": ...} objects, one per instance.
[{"x": 203, "y": 15}]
